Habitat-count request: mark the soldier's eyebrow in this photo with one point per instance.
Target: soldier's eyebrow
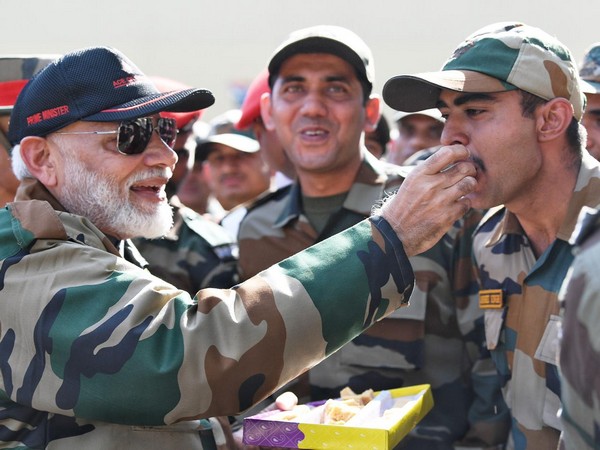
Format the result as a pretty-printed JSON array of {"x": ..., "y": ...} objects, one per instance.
[
  {"x": 328, "y": 79},
  {"x": 468, "y": 97},
  {"x": 292, "y": 79},
  {"x": 593, "y": 112}
]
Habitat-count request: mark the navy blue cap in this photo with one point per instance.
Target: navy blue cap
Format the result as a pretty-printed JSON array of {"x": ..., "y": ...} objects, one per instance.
[{"x": 97, "y": 84}]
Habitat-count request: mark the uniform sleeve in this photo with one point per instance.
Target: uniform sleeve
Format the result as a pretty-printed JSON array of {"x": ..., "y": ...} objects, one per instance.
[{"x": 86, "y": 334}]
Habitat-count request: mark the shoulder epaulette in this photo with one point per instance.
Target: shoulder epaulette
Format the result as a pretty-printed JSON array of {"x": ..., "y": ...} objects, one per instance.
[{"x": 275, "y": 195}]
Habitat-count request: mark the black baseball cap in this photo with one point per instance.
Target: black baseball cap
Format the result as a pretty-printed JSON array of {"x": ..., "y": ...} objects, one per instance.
[{"x": 97, "y": 84}]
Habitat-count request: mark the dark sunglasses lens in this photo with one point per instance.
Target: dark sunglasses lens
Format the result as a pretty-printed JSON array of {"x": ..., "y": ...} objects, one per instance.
[
  {"x": 167, "y": 130},
  {"x": 134, "y": 136}
]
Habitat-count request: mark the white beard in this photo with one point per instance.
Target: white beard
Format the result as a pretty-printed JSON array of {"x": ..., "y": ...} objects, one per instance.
[{"x": 96, "y": 196}]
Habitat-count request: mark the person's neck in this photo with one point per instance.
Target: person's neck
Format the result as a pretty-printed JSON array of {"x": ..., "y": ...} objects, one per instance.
[
  {"x": 324, "y": 184},
  {"x": 541, "y": 232},
  {"x": 5, "y": 197},
  {"x": 543, "y": 210}
]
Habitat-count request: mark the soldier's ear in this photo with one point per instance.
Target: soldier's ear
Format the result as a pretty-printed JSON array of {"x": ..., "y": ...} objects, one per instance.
[
  {"x": 372, "y": 113},
  {"x": 37, "y": 156},
  {"x": 265, "y": 111},
  {"x": 553, "y": 118}
]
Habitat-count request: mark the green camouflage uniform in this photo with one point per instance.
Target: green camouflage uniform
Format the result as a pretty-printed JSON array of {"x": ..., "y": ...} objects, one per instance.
[
  {"x": 195, "y": 254},
  {"x": 438, "y": 340},
  {"x": 522, "y": 334},
  {"x": 95, "y": 352},
  {"x": 580, "y": 348},
  {"x": 579, "y": 363}
]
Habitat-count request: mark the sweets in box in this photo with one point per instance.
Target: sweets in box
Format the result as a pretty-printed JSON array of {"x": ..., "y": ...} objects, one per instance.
[{"x": 378, "y": 423}]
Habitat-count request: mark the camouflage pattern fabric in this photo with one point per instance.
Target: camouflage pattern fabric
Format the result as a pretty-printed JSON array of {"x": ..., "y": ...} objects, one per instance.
[
  {"x": 522, "y": 334},
  {"x": 276, "y": 221},
  {"x": 439, "y": 339},
  {"x": 196, "y": 253},
  {"x": 580, "y": 345},
  {"x": 15, "y": 72},
  {"x": 525, "y": 57},
  {"x": 96, "y": 352},
  {"x": 590, "y": 69},
  {"x": 510, "y": 54}
]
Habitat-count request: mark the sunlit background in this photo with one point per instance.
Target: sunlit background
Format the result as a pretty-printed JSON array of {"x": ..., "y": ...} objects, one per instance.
[{"x": 221, "y": 45}]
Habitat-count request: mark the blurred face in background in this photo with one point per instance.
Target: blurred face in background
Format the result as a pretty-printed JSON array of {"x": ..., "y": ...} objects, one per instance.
[
  {"x": 591, "y": 122},
  {"x": 234, "y": 176},
  {"x": 194, "y": 190},
  {"x": 272, "y": 149},
  {"x": 375, "y": 145},
  {"x": 185, "y": 157},
  {"x": 415, "y": 132},
  {"x": 8, "y": 181}
]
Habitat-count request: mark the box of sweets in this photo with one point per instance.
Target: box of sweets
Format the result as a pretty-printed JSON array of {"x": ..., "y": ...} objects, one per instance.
[{"x": 374, "y": 421}]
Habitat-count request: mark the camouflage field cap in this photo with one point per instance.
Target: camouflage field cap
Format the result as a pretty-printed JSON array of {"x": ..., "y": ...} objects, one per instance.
[
  {"x": 499, "y": 57},
  {"x": 590, "y": 70},
  {"x": 223, "y": 131},
  {"x": 15, "y": 72}
]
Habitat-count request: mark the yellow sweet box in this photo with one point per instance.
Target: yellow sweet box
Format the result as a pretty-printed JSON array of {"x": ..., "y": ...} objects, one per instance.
[{"x": 263, "y": 430}]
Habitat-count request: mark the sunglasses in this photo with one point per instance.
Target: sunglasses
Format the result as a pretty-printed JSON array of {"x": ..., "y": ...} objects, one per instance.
[{"x": 133, "y": 135}]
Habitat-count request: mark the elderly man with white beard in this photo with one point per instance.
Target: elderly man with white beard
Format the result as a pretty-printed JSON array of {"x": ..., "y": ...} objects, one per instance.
[{"x": 95, "y": 352}]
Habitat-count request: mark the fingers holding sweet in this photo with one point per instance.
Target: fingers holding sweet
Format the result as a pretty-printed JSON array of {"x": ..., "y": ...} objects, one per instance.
[
  {"x": 443, "y": 159},
  {"x": 431, "y": 199}
]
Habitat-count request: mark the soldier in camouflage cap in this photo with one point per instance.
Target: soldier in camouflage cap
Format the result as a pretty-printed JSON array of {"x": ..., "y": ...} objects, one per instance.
[
  {"x": 512, "y": 96},
  {"x": 321, "y": 105},
  {"x": 95, "y": 351},
  {"x": 590, "y": 74},
  {"x": 580, "y": 355}
]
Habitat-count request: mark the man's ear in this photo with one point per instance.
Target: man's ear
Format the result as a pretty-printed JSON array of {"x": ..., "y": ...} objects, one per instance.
[
  {"x": 553, "y": 118},
  {"x": 37, "y": 156},
  {"x": 265, "y": 111},
  {"x": 372, "y": 113}
]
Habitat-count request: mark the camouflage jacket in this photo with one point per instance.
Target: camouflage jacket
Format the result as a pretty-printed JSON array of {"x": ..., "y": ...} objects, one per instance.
[
  {"x": 96, "y": 352},
  {"x": 196, "y": 253},
  {"x": 522, "y": 330},
  {"x": 438, "y": 340},
  {"x": 580, "y": 349}
]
